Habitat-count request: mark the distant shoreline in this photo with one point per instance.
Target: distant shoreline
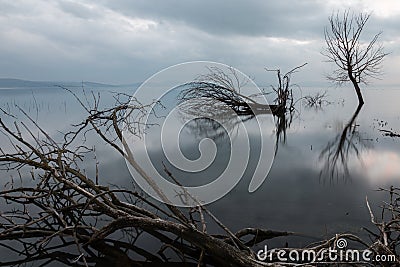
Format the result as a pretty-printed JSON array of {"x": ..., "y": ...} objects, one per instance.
[{"x": 10, "y": 83}]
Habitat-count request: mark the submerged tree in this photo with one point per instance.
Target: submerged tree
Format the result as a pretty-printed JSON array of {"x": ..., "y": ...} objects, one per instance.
[
  {"x": 59, "y": 213},
  {"x": 219, "y": 92},
  {"x": 64, "y": 214},
  {"x": 355, "y": 61}
]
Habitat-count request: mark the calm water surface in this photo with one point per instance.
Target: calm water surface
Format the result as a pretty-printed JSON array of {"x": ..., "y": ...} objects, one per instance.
[{"x": 304, "y": 192}]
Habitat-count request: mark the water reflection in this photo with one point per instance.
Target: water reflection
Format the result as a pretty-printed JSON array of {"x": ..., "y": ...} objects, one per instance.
[
  {"x": 282, "y": 124},
  {"x": 291, "y": 199},
  {"x": 336, "y": 153},
  {"x": 217, "y": 102}
]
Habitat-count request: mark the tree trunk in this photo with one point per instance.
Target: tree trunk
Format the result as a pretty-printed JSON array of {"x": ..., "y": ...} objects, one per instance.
[{"x": 357, "y": 88}]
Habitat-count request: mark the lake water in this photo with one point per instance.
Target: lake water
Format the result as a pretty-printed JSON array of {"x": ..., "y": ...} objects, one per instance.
[{"x": 305, "y": 191}]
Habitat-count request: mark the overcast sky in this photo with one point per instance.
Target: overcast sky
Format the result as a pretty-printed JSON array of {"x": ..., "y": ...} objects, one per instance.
[{"x": 124, "y": 41}]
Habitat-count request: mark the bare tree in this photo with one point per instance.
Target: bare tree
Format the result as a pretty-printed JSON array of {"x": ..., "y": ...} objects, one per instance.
[
  {"x": 355, "y": 61},
  {"x": 63, "y": 214},
  {"x": 65, "y": 207}
]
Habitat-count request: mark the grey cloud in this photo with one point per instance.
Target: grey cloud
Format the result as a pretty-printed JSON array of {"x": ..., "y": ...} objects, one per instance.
[
  {"x": 9, "y": 8},
  {"x": 389, "y": 27},
  {"x": 266, "y": 18},
  {"x": 103, "y": 41},
  {"x": 78, "y": 10}
]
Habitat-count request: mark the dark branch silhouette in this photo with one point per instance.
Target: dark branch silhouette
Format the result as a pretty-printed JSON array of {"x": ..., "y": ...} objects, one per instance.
[
  {"x": 283, "y": 91},
  {"x": 217, "y": 87},
  {"x": 354, "y": 60},
  {"x": 336, "y": 153},
  {"x": 62, "y": 214},
  {"x": 61, "y": 206},
  {"x": 218, "y": 93}
]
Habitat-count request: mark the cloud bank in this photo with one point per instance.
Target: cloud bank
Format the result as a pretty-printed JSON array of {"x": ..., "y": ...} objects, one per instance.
[{"x": 123, "y": 41}]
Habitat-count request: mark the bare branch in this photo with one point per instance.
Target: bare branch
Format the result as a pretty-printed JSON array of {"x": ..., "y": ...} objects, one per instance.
[{"x": 355, "y": 61}]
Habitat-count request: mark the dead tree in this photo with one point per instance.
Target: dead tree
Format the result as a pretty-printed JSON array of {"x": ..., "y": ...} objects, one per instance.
[
  {"x": 218, "y": 93},
  {"x": 387, "y": 238},
  {"x": 283, "y": 91},
  {"x": 61, "y": 207},
  {"x": 355, "y": 61},
  {"x": 220, "y": 87},
  {"x": 63, "y": 214}
]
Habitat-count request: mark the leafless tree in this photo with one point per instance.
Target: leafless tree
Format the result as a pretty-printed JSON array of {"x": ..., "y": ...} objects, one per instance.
[
  {"x": 218, "y": 93},
  {"x": 61, "y": 213},
  {"x": 316, "y": 101},
  {"x": 283, "y": 91},
  {"x": 355, "y": 61},
  {"x": 217, "y": 88}
]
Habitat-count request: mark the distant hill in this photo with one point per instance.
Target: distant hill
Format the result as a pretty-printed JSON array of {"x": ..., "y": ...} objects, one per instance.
[{"x": 18, "y": 83}]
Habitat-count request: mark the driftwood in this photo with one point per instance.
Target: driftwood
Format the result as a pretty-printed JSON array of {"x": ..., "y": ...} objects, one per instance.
[
  {"x": 66, "y": 215},
  {"x": 65, "y": 207},
  {"x": 389, "y": 133}
]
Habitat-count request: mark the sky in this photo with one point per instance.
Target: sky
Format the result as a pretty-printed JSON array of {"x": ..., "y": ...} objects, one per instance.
[{"x": 126, "y": 41}]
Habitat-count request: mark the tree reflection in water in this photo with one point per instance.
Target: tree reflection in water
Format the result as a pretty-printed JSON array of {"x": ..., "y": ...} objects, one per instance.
[
  {"x": 337, "y": 152},
  {"x": 217, "y": 94}
]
